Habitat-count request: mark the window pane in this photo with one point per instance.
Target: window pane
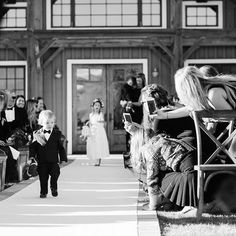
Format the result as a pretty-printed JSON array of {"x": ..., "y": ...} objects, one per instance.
[
  {"x": 56, "y": 10},
  {"x": 82, "y": 74},
  {"x": 130, "y": 9},
  {"x": 156, "y": 20},
  {"x": 82, "y": 1},
  {"x": 211, "y": 21},
  {"x": 146, "y": 20},
  {"x": 113, "y": 9},
  {"x": 20, "y": 13},
  {"x": 98, "y": 1},
  {"x": 56, "y": 21},
  {"x": 98, "y": 21},
  {"x": 10, "y": 73},
  {"x": 82, "y": 21},
  {"x": 201, "y": 20},
  {"x": 114, "y": 20},
  {"x": 19, "y": 84},
  {"x": 82, "y": 9},
  {"x": 191, "y": 11},
  {"x": 66, "y": 10},
  {"x": 156, "y": 9},
  {"x": 10, "y": 84},
  {"x": 191, "y": 21},
  {"x": 201, "y": 11},
  {"x": 21, "y": 23},
  {"x": 130, "y": 20},
  {"x": 3, "y": 73},
  {"x": 98, "y": 9},
  {"x": 115, "y": 1},
  {"x": 65, "y": 20},
  {"x": 11, "y": 13},
  {"x": 211, "y": 11},
  {"x": 146, "y": 9},
  {"x": 96, "y": 74},
  {"x": 11, "y": 22},
  {"x": 19, "y": 73},
  {"x": 3, "y": 84}
]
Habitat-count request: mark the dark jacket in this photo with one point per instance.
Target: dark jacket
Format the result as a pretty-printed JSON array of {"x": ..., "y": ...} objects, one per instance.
[{"x": 52, "y": 152}]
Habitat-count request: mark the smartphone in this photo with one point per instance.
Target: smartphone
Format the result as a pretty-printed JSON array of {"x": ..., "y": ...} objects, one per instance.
[
  {"x": 152, "y": 107},
  {"x": 127, "y": 117}
]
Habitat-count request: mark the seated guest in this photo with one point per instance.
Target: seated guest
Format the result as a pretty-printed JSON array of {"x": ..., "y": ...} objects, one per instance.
[
  {"x": 11, "y": 170},
  {"x": 166, "y": 153}
]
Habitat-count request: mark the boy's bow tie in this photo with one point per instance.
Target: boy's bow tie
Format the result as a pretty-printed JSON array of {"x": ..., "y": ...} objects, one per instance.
[
  {"x": 47, "y": 131},
  {"x": 10, "y": 108}
]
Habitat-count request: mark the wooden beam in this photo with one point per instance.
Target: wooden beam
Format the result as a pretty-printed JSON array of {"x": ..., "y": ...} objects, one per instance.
[
  {"x": 46, "y": 48},
  {"x": 155, "y": 41},
  {"x": 195, "y": 46},
  {"x": 157, "y": 52},
  {"x": 12, "y": 45},
  {"x": 58, "y": 51}
]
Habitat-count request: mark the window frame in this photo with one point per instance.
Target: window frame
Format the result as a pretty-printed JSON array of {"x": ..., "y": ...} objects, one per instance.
[
  {"x": 208, "y": 3},
  {"x": 163, "y": 20},
  {"x": 18, "y": 64},
  {"x": 16, "y": 5}
]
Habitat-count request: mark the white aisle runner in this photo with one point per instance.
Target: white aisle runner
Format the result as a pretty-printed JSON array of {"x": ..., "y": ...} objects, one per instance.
[{"x": 98, "y": 201}]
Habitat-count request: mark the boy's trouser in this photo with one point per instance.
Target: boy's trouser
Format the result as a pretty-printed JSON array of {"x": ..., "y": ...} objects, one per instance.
[{"x": 45, "y": 170}]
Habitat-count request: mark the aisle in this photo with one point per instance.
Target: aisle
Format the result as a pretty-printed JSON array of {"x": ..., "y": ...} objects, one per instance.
[{"x": 92, "y": 201}]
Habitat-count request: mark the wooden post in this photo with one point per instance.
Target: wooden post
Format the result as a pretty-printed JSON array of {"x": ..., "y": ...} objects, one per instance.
[
  {"x": 176, "y": 22},
  {"x": 35, "y": 78}
]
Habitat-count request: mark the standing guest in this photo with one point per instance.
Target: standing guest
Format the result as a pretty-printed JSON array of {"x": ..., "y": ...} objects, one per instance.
[
  {"x": 10, "y": 113},
  {"x": 20, "y": 112},
  {"x": 40, "y": 106},
  {"x": 97, "y": 143},
  {"x": 127, "y": 97},
  {"x": 20, "y": 101},
  {"x": 45, "y": 149},
  {"x": 31, "y": 108}
]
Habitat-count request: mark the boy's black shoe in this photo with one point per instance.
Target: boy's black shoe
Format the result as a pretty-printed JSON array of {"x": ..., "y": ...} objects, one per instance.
[
  {"x": 43, "y": 195},
  {"x": 54, "y": 192}
]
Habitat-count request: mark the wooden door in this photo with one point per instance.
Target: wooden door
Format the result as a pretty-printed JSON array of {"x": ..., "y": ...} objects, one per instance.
[
  {"x": 104, "y": 81},
  {"x": 89, "y": 82},
  {"x": 117, "y": 75}
]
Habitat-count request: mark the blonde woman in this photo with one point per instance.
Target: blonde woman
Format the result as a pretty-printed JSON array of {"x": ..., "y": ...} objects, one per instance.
[{"x": 198, "y": 92}]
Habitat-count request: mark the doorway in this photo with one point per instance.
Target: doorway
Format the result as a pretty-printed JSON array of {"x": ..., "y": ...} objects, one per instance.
[{"x": 90, "y": 81}]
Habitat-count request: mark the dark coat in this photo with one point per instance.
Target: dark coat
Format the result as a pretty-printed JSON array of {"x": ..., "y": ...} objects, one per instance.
[{"x": 52, "y": 152}]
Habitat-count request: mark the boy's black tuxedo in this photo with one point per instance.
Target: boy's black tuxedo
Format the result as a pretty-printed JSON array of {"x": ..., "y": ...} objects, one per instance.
[
  {"x": 48, "y": 156},
  {"x": 52, "y": 152}
]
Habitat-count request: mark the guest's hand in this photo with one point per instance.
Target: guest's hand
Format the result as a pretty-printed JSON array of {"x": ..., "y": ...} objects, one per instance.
[
  {"x": 160, "y": 115},
  {"x": 131, "y": 127},
  {"x": 2, "y": 143}
]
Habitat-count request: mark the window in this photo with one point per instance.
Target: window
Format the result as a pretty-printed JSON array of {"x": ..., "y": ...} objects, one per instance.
[
  {"x": 106, "y": 13},
  {"x": 14, "y": 16},
  {"x": 13, "y": 78},
  {"x": 203, "y": 15}
]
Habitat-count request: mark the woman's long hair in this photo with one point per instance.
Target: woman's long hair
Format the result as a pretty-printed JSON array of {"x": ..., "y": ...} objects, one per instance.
[
  {"x": 192, "y": 86},
  {"x": 31, "y": 112}
]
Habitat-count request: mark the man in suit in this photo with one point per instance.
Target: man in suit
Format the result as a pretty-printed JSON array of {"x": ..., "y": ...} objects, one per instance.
[{"x": 47, "y": 149}]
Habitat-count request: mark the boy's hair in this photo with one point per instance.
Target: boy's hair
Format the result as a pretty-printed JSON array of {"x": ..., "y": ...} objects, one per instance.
[{"x": 46, "y": 114}]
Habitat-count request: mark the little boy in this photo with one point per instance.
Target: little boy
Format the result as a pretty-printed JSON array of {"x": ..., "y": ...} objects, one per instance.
[{"x": 45, "y": 149}]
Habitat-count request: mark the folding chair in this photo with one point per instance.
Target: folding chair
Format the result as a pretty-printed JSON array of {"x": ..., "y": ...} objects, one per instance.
[{"x": 208, "y": 163}]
